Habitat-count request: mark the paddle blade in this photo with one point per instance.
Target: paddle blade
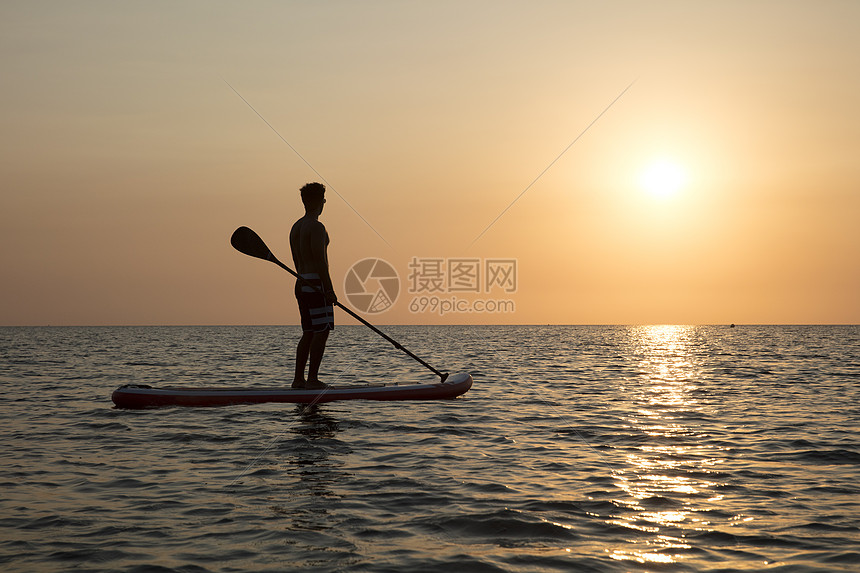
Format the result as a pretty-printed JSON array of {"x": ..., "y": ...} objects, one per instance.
[{"x": 248, "y": 242}]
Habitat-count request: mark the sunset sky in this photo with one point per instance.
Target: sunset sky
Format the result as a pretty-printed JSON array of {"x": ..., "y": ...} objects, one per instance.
[{"x": 722, "y": 187}]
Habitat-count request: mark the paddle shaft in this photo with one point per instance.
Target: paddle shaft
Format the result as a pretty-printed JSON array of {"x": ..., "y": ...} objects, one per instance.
[{"x": 271, "y": 257}]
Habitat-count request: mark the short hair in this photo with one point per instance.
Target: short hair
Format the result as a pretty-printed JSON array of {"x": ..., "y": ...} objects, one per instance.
[{"x": 313, "y": 194}]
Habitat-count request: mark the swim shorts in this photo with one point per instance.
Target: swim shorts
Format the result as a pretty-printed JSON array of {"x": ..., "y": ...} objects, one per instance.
[{"x": 316, "y": 313}]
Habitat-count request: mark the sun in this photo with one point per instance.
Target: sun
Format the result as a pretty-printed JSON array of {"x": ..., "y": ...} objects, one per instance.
[{"x": 663, "y": 178}]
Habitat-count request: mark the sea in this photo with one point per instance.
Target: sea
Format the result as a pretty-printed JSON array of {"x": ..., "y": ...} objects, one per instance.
[{"x": 578, "y": 448}]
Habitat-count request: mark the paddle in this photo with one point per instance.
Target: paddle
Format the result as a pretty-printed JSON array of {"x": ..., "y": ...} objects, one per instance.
[{"x": 249, "y": 243}]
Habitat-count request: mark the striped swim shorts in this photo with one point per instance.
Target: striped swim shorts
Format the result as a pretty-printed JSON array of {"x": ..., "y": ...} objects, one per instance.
[{"x": 316, "y": 313}]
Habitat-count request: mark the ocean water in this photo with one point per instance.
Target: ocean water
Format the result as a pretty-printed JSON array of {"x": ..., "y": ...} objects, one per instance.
[{"x": 582, "y": 448}]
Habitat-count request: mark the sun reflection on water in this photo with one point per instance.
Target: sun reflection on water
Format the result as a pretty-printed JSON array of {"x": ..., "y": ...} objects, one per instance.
[{"x": 662, "y": 480}]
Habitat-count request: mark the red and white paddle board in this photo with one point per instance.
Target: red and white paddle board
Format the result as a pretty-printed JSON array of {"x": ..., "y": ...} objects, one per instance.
[{"x": 143, "y": 396}]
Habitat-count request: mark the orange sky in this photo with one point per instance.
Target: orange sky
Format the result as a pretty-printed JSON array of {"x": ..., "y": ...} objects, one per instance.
[{"x": 127, "y": 162}]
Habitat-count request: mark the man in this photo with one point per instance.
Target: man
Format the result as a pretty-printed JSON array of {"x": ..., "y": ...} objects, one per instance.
[{"x": 315, "y": 294}]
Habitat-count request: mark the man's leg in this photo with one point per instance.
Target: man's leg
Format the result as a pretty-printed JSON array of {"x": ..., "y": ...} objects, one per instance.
[
  {"x": 303, "y": 350},
  {"x": 317, "y": 349}
]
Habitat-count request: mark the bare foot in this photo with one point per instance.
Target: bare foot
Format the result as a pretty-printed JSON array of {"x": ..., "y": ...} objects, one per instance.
[
  {"x": 315, "y": 385},
  {"x": 298, "y": 384}
]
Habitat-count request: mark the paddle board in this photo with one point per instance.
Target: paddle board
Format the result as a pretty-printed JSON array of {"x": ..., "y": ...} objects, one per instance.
[{"x": 143, "y": 396}]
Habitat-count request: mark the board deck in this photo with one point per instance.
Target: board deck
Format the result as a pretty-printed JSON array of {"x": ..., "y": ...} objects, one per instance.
[{"x": 142, "y": 396}]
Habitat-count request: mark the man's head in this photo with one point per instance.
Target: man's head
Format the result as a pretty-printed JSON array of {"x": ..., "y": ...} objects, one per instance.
[{"x": 313, "y": 196}]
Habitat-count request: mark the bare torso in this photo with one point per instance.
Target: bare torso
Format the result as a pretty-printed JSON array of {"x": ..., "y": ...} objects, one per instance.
[{"x": 308, "y": 242}]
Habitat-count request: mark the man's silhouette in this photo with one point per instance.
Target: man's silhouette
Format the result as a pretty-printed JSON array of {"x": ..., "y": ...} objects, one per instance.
[{"x": 315, "y": 294}]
